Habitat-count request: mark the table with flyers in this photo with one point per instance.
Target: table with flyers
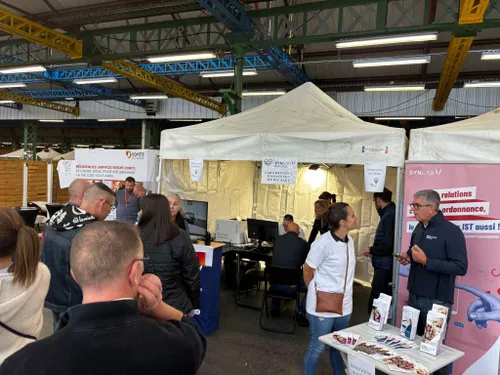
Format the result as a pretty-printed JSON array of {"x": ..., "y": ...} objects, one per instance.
[{"x": 369, "y": 336}]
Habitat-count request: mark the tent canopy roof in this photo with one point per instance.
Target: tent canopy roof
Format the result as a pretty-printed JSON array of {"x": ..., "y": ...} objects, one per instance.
[
  {"x": 473, "y": 140},
  {"x": 305, "y": 124}
]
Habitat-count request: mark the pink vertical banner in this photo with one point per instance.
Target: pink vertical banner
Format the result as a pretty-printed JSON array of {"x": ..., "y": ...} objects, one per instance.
[{"x": 470, "y": 199}]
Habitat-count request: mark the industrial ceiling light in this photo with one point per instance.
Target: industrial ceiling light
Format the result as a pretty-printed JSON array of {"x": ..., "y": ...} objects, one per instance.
[
  {"x": 186, "y": 120},
  {"x": 227, "y": 73},
  {"x": 182, "y": 57},
  {"x": 11, "y": 85},
  {"x": 23, "y": 69},
  {"x": 470, "y": 85},
  {"x": 395, "y": 88},
  {"x": 111, "y": 120},
  {"x": 264, "y": 93},
  {"x": 89, "y": 81},
  {"x": 392, "y": 61},
  {"x": 314, "y": 176},
  {"x": 490, "y": 55},
  {"x": 148, "y": 96},
  {"x": 7, "y": 101},
  {"x": 395, "y": 39},
  {"x": 69, "y": 99},
  {"x": 399, "y": 118},
  {"x": 51, "y": 120}
]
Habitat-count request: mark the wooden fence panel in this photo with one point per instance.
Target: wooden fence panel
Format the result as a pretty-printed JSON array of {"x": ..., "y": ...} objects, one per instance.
[
  {"x": 37, "y": 181},
  {"x": 11, "y": 190},
  {"x": 58, "y": 195}
]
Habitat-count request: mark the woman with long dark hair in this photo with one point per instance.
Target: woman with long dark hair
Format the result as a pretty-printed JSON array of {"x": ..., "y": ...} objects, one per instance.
[
  {"x": 24, "y": 283},
  {"x": 171, "y": 253}
]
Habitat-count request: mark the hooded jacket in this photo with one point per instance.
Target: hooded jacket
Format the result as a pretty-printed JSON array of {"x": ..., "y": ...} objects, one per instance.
[
  {"x": 21, "y": 309},
  {"x": 63, "y": 226}
]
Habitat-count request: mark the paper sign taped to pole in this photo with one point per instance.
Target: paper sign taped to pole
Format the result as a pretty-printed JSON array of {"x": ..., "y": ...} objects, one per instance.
[
  {"x": 280, "y": 171},
  {"x": 359, "y": 366},
  {"x": 375, "y": 176},
  {"x": 66, "y": 172},
  {"x": 196, "y": 169}
]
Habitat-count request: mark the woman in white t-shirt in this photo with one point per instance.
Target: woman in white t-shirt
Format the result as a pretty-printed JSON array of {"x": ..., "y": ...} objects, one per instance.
[
  {"x": 24, "y": 283},
  {"x": 325, "y": 270}
]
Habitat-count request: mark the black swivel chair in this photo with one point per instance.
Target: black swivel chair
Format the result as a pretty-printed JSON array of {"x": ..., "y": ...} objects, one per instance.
[
  {"x": 28, "y": 214},
  {"x": 52, "y": 208},
  {"x": 280, "y": 276}
]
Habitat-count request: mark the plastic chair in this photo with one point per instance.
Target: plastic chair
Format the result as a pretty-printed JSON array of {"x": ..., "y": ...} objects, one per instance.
[
  {"x": 28, "y": 214},
  {"x": 280, "y": 276}
]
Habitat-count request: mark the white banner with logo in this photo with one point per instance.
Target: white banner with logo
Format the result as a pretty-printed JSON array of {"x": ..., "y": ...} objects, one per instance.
[
  {"x": 116, "y": 165},
  {"x": 375, "y": 176},
  {"x": 280, "y": 171},
  {"x": 66, "y": 172}
]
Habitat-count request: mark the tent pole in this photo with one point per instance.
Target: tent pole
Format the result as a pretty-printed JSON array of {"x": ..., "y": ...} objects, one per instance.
[
  {"x": 255, "y": 190},
  {"x": 398, "y": 234},
  {"x": 159, "y": 179}
]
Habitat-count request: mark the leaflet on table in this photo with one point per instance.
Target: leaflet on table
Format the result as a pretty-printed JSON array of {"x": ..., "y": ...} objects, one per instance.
[
  {"x": 345, "y": 338},
  {"x": 380, "y": 312},
  {"x": 395, "y": 342},
  {"x": 442, "y": 310},
  {"x": 434, "y": 333},
  {"x": 409, "y": 322}
]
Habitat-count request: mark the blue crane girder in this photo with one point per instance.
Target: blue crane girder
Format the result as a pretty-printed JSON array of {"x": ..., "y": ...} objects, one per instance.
[
  {"x": 232, "y": 14},
  {"x": 161, "y": 69}
]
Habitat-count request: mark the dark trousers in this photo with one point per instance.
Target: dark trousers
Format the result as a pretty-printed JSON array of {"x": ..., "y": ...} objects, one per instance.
[
  {"x": 56, "y": 317},
  {"x": 424, "y": 305},
  {"x": 380, "y": 284},
  {"x": 276, "y": 303}
]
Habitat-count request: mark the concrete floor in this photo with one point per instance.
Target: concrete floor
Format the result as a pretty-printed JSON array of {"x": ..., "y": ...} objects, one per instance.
[{"x": 241, "y": 347}]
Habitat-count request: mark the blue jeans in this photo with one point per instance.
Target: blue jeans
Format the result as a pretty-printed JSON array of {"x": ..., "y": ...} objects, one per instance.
[
  {"x": 320, "y": 327},
  {"x": 424, "y": 305},
  {"x": 276, "y": 303}
]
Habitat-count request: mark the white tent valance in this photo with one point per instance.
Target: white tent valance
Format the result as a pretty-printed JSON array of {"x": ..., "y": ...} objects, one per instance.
[
  {"x": 305, "y": 124},
  {"x": 472, "y": 140}
]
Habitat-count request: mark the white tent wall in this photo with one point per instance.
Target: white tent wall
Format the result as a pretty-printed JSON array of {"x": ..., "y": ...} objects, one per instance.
[{"x": 227, "y": 186}]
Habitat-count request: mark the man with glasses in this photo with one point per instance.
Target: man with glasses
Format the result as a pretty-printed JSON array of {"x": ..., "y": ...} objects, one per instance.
[
  {"x": 122, "y": 325},
  {"x": 438, "y": 254},
  {"x": 63, "y": 226}
]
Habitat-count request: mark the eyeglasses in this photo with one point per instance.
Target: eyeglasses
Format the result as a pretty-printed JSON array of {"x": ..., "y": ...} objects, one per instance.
[
  {"x": 145, "y": 259},
  {"x": 416, "y": 206},
  {"x": 110, "y": 205}
]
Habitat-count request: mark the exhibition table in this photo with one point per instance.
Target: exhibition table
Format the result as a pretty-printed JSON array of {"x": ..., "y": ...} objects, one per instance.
[
  {"x": 432, "y": 363},
  {"x": 210, "y": 259}
]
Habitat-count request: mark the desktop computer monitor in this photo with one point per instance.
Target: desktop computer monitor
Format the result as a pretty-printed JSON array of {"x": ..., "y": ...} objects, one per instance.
[
  {"x": 196, "y": 217},
  {"x": 262, "y": 230}
]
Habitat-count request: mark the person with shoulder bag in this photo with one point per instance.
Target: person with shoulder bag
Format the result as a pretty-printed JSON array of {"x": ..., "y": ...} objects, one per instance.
[{"x": 329, "y": 275}]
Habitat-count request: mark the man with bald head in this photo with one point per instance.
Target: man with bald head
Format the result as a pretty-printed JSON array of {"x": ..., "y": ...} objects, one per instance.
[
  {"x": 290, "y": 251},
  {"x": 122, "y": 325},
  {"x": 76, "y": 190},
  {"x": 62, "y": 227}
]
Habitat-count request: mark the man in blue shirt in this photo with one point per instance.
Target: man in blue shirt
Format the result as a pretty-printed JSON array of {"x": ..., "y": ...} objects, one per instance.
[
  {"x": 438, "y": 254},
  {"x": 383, "y": 246}
]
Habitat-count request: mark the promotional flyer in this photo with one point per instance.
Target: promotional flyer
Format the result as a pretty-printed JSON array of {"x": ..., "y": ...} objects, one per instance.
[{"x": 469, "y": 199}]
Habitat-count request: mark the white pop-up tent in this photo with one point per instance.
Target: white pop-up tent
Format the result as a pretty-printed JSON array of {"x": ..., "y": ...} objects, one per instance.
[
  {"x": 305, "y": 124},
  {"x": 472, "y": 140}
]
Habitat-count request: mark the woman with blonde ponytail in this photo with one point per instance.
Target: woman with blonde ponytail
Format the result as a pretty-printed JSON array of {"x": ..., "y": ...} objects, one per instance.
[{"x": 24, "y": 282}]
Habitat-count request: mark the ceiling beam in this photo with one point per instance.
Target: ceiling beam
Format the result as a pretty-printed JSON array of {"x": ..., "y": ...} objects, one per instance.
[{"x": 23, "y": 99}]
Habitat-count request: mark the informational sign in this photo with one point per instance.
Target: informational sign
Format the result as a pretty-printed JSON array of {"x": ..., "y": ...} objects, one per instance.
[
  {"x": 66, "y": 170},
  {"x": 375, "y": 176},
  {"x": 470, "y": 200},
  {"x": 115, "y": 165},
  {"x": 280, "y": 171},
  {"x": 359, "y": 366},
  {"x": 196, "y": 169}
]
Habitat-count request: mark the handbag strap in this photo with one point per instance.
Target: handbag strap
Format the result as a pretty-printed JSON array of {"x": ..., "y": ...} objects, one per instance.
[
  {"x": 346, "y": 266},
  {"x": 17, "y": 333}
]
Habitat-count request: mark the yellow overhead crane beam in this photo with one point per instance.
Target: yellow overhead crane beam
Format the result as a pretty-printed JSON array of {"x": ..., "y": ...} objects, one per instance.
[
  {"x": 471, "y": 11},
  {"x": 6, "y": 95},
  {"x": 132, "y": 71},
  {"x": 36, "y": 33}
]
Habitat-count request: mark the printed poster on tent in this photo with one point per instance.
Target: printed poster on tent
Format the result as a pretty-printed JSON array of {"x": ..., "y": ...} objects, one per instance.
[
  {"x": 375, "y": 176},
  {"x": 280, "y": 171}
]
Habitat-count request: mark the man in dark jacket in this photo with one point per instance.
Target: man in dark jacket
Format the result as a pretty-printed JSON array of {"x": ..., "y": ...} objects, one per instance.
[
  {"x": 122, "y": 327},
  {"x": 383, "y": 246},
  {"x": 63, "y": 226},
  {"x": 438, "y": 254},
  {"x": 290, "y": 251}
]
